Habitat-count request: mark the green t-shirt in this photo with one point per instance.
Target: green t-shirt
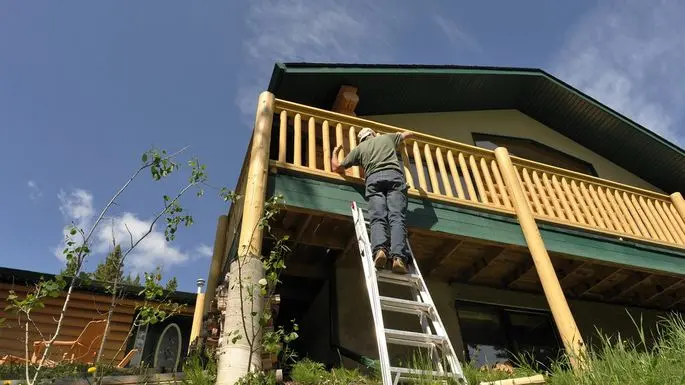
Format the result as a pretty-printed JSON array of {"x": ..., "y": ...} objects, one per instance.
[{"x": 376, "y": 154}]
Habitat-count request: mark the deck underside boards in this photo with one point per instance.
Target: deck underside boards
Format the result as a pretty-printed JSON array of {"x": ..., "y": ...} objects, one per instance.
[{"x": 462, "y": 245}]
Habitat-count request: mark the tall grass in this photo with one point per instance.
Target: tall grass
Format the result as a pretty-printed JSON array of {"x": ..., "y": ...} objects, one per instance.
[
  {"x": 614, "y": 361},
  {"x": 618, "y": 361}
]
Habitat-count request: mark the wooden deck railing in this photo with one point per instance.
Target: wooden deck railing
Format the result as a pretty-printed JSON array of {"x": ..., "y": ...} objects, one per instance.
[{"x": 458, "y": 173}]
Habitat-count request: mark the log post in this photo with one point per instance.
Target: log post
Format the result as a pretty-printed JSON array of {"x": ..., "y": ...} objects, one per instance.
[
  {"x": 197, "y": 315},
  {"x": 679, "y": 204},
  {"x": 566, "y": 324},
  {"x": 238, "y": 356},
  {"x": 217, "y": 260}
]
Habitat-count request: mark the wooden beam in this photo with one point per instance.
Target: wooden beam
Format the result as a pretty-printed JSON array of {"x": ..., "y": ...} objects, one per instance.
[
  {"x": 445, "y": 252},
  {"x": 627, "y": 286},
  {"x": 346, "y": 101},
  {"x": 483, "y": 261},
  {"x": 614, "y": 278},
  {"x": 303, "y": 229},
  {"x": 675, "y": 286},
  {"x": 519, "y": 271}
]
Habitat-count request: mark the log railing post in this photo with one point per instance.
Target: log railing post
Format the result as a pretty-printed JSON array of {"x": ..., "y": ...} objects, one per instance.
[
  {"x": 239, "y": 357},
  {"x": 679, "y": 204},
  {"x": 217, "y": 261},
  {"x": 566, "y": 324},
  {"x": 197, "y": 315}
]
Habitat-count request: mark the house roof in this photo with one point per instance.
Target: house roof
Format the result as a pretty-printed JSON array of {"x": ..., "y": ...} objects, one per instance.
[
  {"x": 395, "y": 89},
  {"x": 26, "y": 277}
]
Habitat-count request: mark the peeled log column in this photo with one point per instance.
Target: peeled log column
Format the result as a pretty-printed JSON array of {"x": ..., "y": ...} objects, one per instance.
[
  {"x": 246, "y": 271},
  {"x": 566, "y": 324}
]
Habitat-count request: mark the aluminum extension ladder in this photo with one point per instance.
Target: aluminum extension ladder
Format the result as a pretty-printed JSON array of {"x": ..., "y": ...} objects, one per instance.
[{"x": 445, "y": 362}]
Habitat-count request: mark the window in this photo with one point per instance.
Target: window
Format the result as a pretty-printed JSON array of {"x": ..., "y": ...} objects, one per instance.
[
  {"x": 538, "y": 152},
  {"x": 493, "y": 334}
]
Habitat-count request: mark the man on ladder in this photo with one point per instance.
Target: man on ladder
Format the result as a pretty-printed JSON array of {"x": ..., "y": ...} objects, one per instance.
[{"x": 386, "y": 193}]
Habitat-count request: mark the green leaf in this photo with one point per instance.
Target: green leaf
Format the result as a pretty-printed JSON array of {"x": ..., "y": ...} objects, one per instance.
[{"x": 144, "y": 158}]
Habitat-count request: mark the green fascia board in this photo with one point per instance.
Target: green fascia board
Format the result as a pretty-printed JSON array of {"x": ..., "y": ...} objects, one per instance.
[{"x": 320, "y": 195}]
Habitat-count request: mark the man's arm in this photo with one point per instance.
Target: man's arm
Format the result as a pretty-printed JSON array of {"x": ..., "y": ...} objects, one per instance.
[
  {"x": 406, "y": 135},
  {"x": 335, "y": 166}
]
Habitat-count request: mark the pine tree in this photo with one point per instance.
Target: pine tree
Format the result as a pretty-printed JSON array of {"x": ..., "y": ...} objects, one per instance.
[{"x": 112, "y": 268}]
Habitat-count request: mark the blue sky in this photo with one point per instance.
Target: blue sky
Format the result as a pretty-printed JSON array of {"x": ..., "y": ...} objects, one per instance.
[{"x": 86, "y": 87}]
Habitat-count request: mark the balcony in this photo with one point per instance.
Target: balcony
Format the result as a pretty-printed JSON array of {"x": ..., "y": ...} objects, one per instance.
[{"x": 449, "y": 172}]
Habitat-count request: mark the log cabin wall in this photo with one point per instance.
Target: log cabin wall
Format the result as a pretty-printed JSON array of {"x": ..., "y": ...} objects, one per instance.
[{"x": 84, "y": 306}]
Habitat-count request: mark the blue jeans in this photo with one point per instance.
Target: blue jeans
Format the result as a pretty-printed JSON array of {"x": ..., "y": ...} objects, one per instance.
[{"x": 386, "y": 194}]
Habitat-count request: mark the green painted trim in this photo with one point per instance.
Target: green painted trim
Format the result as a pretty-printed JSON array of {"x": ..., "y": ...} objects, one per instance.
[{"x": 320, "y": 195}]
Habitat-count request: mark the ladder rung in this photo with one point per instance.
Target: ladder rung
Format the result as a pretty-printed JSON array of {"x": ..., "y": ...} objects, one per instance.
[
  {"x": 418, "y": 372},
  {"x": 401, "y": 337},
  {"x": 398, "y": 279},
  {"x": 404, "y": 306}
]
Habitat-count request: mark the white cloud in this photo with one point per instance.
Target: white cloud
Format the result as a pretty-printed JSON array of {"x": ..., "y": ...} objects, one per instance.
[
  {"x": 77, "y": 209},
  {"x": 204, "y": 251},
  {"x": 454, "y": 34},
  {"x": 151, "y": 252},
  {"x": 629, "y": 55},
  {"x": 318, "y": 31},
  {"x": 125, "y": 229},
  {"x": 34, "y": 192}
]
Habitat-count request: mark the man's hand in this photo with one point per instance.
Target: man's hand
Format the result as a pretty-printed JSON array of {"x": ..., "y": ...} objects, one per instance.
[{"x": 335, "y": 166}]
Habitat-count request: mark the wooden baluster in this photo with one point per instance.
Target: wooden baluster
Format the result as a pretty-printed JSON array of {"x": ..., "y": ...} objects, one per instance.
[
  {"x": 604, "y": 209},
  {"x": 609, "y": 210},
  {"x": 488, "y": 182},
  {"x": 311, "y": 143},
  {"x": 650, "y": 212},
  {"x": 443, "y": 172},
  {"x": 435, "y": 186},
  {"x": 407, "y": 169},
  {"x": 500, "y": 184},
  {"x": 595, "y": 207},
  {"x": 298, "y": 140},
  {"x": 654, "y": 234},
  {"x": 553, "y": 197},
  {"x": 353, "y": 144},
  {"x": 666, "y": 221},
  {"x": 326, "y": 138},
  {"x": 479, "y": 181},
  {"x": 635, "y": 214},
  {"x": 419, "y": 167},
  {"x": 585, "y": 205},
  {"x": 631, "y": 217},
  {"x": 614, "y": 210},
  {"x": 562, "y": 197},
  {"x": 467, "y": 178},
  {"x": 282, "y": 137},
  {"x": 571, "y": 200},
  {"x": 543, "y": 195},
  {"x": 339, "y": 141},
  {"x": 533, "y": 195},
  {"x": 676, "y": 225},
  {"x": 455, "y": 175}
]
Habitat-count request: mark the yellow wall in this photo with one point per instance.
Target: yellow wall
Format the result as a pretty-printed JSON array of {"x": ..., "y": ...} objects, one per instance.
[{"x": 459, "y": 126}]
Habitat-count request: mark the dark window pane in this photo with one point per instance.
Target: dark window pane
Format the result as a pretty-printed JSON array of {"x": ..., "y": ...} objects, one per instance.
[
  {"x": 483, "y": 335},
  {"x": 533, "y": 335}
]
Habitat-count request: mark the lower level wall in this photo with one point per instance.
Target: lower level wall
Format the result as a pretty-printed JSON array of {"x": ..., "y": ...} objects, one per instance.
[{"x": 355, "y": 324}]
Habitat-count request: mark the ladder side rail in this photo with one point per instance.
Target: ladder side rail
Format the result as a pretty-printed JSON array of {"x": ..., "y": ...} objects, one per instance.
[
  {"x": 440, "y": 330},
  {"x": 372, "y": 290}
]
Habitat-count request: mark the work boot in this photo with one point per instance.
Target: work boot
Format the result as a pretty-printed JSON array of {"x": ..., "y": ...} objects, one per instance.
[
  {"x": 381, "y": 259},
  {"x": 398, "y": 266}
]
